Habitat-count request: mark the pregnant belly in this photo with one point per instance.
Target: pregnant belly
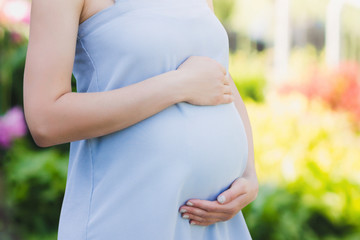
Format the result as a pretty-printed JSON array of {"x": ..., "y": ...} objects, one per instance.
[{"x": 200, "y": 150}]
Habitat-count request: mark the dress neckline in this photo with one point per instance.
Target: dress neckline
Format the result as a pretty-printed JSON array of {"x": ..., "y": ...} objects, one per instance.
[{"x": 121, "y": 6}]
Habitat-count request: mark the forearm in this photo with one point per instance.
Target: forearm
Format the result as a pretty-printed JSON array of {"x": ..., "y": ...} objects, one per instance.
[
  {"x": 76, "y": 116},
  {"x": 250, "y": 170}
]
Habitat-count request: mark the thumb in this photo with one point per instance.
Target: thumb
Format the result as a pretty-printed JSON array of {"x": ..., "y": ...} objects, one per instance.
[{"x": 236, "y": 189}]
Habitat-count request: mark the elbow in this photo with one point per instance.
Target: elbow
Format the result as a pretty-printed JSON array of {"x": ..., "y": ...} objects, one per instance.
[
  {"x": 40, "y": 130},
  {"x": 42, "y": 120},
  {"x": 41, "y": 139},
  {"x": 41, "y": 136}
]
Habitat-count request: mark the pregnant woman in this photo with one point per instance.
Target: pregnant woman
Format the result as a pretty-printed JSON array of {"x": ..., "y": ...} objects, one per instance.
[{"x": 161, "y": 144}]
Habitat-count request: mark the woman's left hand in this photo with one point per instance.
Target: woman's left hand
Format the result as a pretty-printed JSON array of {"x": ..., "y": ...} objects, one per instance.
[{"x": 202, "y": 212}]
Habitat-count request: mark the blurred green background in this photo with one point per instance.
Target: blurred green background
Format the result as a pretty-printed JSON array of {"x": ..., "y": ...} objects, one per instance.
[{"x": 296, "y": 65}]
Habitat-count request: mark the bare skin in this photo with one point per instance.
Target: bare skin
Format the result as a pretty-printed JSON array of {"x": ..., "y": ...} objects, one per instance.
[{"x": 56, "y": 115}]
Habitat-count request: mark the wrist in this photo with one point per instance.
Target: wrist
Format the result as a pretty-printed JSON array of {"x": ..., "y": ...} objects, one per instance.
[{"x": 179, "y": 86}]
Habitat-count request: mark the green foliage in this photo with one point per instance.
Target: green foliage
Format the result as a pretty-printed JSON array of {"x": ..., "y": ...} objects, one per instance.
[
  {"x": 297, "y": 211},
  {"x": 12, "y": 60},
  {"x": 251, "y": 87},
  {"x": 73, "y": 83},
  {"x": 35, "y": 186},
  {"x": 224, "y": 9},
  {"x": 248, "y": 73},
  {"x": 277, "y": 214}
]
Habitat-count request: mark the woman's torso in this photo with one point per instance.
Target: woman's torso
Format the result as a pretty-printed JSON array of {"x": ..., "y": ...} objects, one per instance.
[{"x": 141, "y": 175}]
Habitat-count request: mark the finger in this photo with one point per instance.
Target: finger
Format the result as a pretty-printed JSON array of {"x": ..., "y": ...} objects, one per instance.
[
  {"x": 215, "y": 210},
  {"x": 219, "y": 216},
  {"x": 226, "y": 80},
  {"x": 228, "y": 98},
  {"x": 237, "y": 188},
  {"x": 209, "y": 206},
  {"x": 198, "y": 219},
  {"x": 192, "y": 217},
  {"x": 193, "y": 222},
  {"x": 196, "y": 211},
  {"x": 227, "y": 89}
]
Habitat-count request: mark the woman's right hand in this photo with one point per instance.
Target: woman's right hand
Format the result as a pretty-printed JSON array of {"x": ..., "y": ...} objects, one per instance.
[{"x": 205, "y": 81}]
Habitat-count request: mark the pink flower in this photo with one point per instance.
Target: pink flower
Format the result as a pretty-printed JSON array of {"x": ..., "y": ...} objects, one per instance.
[
  {"x": 15, "y": 37},
  {"x": 5, "y": 138},
  {"x": 12, "y": 125}
]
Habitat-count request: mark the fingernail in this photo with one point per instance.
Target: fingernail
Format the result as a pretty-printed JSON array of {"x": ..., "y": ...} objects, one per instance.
[
  {"x": 182, "y": 210},
  {"x": 192, "y": 223},
  {"x": 189, "y": 204},
  {"x": 185, "y": 216},
  {"x": 221, "y": 199}
]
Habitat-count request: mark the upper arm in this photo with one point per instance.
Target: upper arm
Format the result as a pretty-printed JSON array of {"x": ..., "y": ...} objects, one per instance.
[
  {"x": 50, "y": 53},
  {"x": 210, "y": 3}
]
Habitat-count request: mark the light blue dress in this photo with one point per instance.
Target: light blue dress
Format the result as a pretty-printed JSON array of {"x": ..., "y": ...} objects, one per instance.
[{"x": 129, "y": 185}]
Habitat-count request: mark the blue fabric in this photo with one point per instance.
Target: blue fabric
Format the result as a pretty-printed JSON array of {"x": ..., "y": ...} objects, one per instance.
[{"x": 130, "y": 184}]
